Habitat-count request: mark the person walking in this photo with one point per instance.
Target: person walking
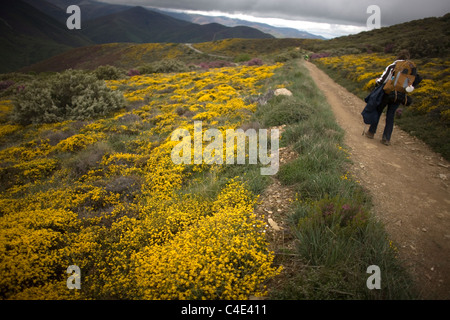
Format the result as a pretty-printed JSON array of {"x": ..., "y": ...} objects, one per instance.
[{"x": 393, "y": 96}]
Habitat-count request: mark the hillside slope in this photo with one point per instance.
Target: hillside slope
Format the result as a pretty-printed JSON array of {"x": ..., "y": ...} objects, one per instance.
[
  {"x": 91, "y": 9},
  {"x": 123, "y": 55},
  {"x": 132, "y": 55},
  {"x": 278, "y": 32},
  {"x": 32, "y": 31},
  {"x": 429, "y": 37},
  {"x": 27, "y": 35},
  {"x": 141, "y": 25}
]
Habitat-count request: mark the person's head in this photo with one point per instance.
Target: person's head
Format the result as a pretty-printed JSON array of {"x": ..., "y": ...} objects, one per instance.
[{"x": 403, "y": 55}]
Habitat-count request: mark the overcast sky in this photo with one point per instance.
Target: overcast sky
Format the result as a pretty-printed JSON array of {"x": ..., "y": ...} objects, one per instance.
[{"x": 328, "y": 17}]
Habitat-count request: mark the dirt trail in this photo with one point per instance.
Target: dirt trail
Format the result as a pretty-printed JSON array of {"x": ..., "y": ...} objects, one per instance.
[
  {"x": 190, "y": 46},
  {"x": 409, "y": 186}
]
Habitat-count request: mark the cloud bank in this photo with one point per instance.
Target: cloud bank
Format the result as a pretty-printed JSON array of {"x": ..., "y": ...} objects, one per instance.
[
  {"x": 326, "y": 12},
  {"x": 351, "y": 12}
]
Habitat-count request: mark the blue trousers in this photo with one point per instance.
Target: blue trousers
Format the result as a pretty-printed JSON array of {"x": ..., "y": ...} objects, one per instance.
[{"x": 390, "y": 115}]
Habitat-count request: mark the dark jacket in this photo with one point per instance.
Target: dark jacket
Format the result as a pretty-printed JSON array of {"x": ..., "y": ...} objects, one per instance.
[{"x": 373, "y": 100}]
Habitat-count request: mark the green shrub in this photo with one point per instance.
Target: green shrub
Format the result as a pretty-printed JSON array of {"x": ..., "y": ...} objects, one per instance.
[
  {"x": 285, "y": 110},
  {"x": 289, "y": 55},
  {"x": 71, "y": 95},
  {"x": 164, "y": 66},
  {"x": 109, "y": 73},
  {"x": 242, "y": 57}
]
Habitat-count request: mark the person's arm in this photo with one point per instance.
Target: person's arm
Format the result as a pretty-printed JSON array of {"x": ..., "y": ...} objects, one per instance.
[{"x": 386, "y": 74}]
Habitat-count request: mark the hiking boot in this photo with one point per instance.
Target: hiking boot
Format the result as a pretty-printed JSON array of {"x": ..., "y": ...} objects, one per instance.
[
  {"x": 369, "y": 135},
  {"x": 385, "y": 142}
]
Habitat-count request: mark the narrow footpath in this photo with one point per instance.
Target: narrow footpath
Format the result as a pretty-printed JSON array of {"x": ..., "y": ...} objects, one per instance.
[{"x": 409, "y": 185}]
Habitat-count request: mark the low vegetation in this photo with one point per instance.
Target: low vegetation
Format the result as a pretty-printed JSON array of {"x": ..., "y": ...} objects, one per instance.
[
  {"x": 71, "y": 95},
  {"x": 103, "y": 194},
  {"x": 425, "y": 38}
]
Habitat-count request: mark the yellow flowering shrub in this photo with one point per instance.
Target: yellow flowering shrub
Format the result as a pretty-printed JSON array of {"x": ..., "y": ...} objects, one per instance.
[
  {"x": 223, "y": 256},
  {"x": 30, "y": 247},
  {"x": 128, "y": 220},
  {"x": 26, "y": 152},
  {"x": 35, "y": 169},
  {"x": 77, "y": 142},
  {"x": 8, "y": 129},
  {"x": 6, "y": 107}
]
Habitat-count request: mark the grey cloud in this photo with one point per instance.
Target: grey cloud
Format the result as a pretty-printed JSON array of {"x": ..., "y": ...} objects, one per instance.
[{"x": 352, "y": 12}]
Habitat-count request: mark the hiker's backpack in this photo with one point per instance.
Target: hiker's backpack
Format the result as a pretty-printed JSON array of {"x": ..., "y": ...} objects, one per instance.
[{"x": 404, "y": 74}]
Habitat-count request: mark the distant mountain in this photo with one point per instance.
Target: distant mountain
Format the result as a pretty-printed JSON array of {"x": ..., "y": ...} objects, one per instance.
[
  {"x": 90, "y": 9},
  {"x": 141, "y": 25},
  {"x": 278, "y": 32},
  {"x": 27, "y": 35},
  {"x": 107, "y": 23},
  {"x": 50, "y": 9},
  {"x": 34, "y": 30}
]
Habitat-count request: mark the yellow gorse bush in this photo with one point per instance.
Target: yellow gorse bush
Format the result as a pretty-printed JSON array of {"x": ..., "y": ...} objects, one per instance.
[
  {"x": 6, "y": 107},
  {"x": 223, "y": 256},
  {"x": 126, "y": 217},
  {"x": 77, "y": 142}
]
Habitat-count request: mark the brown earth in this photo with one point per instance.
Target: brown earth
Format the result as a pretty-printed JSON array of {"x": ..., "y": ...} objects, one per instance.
[{"x": 409, "y": 186}]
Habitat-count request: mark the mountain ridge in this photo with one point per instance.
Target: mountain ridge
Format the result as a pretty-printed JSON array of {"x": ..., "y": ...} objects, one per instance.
[
  {"x": 277, "y": 32},
  {"x": 33, "y": 31},
  {"x": 145, "y": 26},
  {"x": 27, "y": 35}
]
